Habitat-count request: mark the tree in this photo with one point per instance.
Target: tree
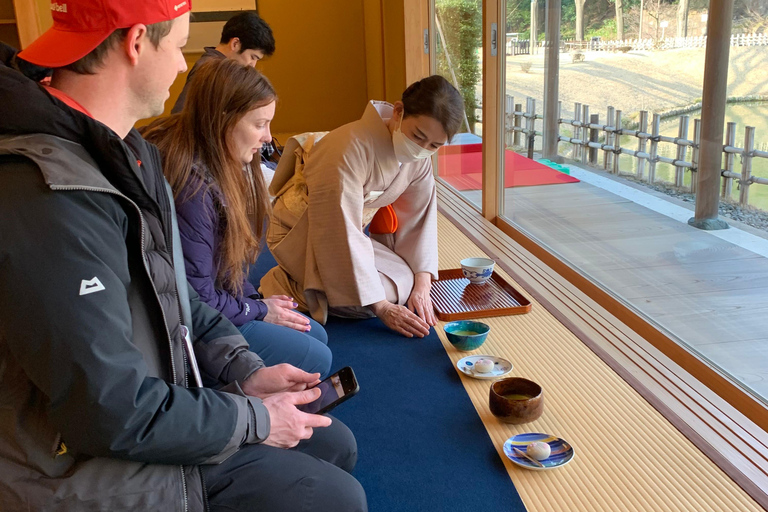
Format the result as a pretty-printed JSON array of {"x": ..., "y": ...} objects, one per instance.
[
  {"x": 460, "y": 29},
  {"x": 518, "y": 15},
  {"x": 751, "y": 15},
  {"x": 580, "y": 19},
  {"x": 654, "y": 11},
  {"x": 682, "y": 18},
  {"x": 620, "y": 19}
]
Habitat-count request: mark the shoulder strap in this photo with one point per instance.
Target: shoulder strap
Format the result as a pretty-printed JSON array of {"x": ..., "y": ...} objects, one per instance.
[
  {"x": 178, "y": 264},
  {"x": 182, "y": 289}
]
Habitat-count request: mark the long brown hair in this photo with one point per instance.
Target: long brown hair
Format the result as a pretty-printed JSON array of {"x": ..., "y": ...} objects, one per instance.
[{"x": 220, "y": 94}]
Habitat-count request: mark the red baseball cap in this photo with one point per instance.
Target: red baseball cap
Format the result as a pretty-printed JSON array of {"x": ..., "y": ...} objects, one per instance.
[{"x": 79, "y": 26}]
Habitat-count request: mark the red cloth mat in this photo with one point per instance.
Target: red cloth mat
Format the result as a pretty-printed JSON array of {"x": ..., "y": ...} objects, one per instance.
[{"x": 461, "y": 167}]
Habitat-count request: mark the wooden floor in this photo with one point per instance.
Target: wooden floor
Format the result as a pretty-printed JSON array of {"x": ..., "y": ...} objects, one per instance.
[{"x": 709, "y": 293}]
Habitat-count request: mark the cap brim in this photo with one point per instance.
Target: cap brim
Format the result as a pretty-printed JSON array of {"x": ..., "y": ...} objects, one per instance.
[{"x": 57, "y": 48}]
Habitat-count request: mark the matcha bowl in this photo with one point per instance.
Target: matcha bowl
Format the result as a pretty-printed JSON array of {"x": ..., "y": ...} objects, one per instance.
[
  {"x": 516, "y": 400},
  {"x": 466, "y": 335}
]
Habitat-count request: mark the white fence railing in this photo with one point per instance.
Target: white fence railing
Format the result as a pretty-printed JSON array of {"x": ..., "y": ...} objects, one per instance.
[
  {"x": 590, "y": 138},
  {"x": 667, "y": 43}
]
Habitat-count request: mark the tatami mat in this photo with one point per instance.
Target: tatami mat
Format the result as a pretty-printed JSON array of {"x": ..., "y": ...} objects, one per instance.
[{"x": 628, "y": 456}]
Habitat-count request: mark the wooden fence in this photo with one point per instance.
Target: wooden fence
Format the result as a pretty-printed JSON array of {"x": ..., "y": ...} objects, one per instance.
[{"x": 590, "y": 138}]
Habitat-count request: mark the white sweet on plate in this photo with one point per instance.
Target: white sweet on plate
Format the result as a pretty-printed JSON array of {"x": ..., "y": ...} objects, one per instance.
[
  {"x": 538, "y": 450},
  {"x": 483, "y": 365}
]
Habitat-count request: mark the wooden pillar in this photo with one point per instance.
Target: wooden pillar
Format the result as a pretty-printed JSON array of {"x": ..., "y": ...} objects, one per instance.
[
  {"x": 27, "y": 21},
  {"x": 593, "y": 137},
  {"x": 494, "y": 59},
  {"x": 552, "y": 80},
  {"x": 713, "y": 116},
  {"x": 416, "y": 21}
]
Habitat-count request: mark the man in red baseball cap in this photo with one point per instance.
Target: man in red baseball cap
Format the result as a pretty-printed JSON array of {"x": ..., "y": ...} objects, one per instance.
[
  {"x": 150, "y": 35},
  {"x": 120, "y": 389}
]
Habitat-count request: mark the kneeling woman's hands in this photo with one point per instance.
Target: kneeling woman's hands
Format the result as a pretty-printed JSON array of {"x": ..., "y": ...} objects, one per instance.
[
  {"x": 400, "y": 319},
  {"x": 420, "y": 301},
  {"x": 281, "y": 311}
]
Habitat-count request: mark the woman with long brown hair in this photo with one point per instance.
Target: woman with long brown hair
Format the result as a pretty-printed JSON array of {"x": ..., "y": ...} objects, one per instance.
[{"x": 222, "y": 205}]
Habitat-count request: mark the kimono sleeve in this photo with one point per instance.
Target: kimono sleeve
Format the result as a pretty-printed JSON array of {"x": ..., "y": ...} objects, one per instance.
[
  {"x": 335, "y": 174},
  {"x": 416, "y": 235}
]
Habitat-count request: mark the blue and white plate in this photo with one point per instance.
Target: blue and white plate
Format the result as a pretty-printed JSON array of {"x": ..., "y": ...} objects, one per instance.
[
  {"x": 501, "y": 367},
  {"x": 562, "y": 451}
]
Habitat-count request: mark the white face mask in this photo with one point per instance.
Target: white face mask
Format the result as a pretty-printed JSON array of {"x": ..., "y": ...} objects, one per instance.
[{"x": 406, "y": 150}]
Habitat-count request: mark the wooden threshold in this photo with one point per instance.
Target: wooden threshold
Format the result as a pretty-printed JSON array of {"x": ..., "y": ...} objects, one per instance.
[{"x": 735, "y": 441}]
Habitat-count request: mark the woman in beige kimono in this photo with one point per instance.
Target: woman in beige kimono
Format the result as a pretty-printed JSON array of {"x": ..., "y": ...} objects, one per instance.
[{"x": 329, "y": 187}]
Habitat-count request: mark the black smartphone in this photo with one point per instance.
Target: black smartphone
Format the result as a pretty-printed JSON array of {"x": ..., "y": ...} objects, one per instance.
[{"x": 333, "y": 390}]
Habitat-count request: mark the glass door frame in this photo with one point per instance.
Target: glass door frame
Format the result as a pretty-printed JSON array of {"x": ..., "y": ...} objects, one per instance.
[
  {"x": 492, "y": 102},
  {"x": 493, "y": 110}
]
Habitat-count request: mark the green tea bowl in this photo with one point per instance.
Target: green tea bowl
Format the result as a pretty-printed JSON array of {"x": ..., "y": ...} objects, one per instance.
[{"x": 466, "y": 335}]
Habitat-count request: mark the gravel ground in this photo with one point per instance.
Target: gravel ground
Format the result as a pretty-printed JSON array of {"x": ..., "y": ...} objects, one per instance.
[{"x": 728, "y": 210}]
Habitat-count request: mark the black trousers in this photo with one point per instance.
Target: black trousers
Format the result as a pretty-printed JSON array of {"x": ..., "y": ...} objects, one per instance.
[{"x": 313, "y": 476}]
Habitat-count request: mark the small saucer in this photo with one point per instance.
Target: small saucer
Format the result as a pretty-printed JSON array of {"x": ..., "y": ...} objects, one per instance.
[
  {"x": 562, "y": 451},
  {"x": 501, "y": 367}
]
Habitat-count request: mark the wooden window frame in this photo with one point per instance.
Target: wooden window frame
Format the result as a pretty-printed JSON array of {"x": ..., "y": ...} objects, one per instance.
[{"x": 27, "y": 21}]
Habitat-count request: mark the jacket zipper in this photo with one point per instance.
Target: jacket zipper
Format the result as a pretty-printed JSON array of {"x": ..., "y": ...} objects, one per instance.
[
  {"x": 184, "y": 487},
  {"x": 149, "y": 275},
  {"x": 206, "y": 505}
]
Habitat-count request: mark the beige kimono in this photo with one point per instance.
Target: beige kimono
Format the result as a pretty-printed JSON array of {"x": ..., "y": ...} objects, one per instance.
[{"x": 327, "y": 188}]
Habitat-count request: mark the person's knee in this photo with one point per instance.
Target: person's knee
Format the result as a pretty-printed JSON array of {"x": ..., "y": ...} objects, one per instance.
[
  {"x": 347, "y": 446},
  {"x": 334, "y": 490},
  {"x": 319, "y": 359},
  {"x": 334, "y": 444},
  {"x": 318, "y": 332},
  {"x": 344, "y": 445}
]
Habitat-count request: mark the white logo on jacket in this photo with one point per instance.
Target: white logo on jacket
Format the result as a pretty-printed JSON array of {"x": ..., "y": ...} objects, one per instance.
[
  {"x": 247, "y": 309},
  {"x": 91, "y": 286},
  {"x": 58, "y": 7},
  {"x": 179, "y": 6}
]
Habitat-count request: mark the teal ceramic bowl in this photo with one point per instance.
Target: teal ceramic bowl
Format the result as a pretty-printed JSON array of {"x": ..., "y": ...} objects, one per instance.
[{"x": 466, "y": 335}]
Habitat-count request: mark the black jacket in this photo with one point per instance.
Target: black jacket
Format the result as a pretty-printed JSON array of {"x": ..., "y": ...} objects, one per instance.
[{"x": 95, "y": 410}]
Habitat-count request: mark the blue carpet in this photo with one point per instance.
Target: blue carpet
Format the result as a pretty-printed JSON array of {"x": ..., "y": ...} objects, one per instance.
[{"x": 422, "y": 446}]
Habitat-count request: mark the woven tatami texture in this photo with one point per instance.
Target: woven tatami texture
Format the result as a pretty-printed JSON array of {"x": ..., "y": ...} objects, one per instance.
[{"x": 628, "y": 456}]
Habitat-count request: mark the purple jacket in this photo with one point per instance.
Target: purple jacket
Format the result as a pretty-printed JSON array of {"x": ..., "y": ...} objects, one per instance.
[{"x": 199, "y": 227}]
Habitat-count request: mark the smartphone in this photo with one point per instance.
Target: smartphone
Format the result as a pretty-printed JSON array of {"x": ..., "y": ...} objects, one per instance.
[{"x": 333, "y": 390}]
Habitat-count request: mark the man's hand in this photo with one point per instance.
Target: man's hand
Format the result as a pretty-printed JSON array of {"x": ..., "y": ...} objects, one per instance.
[
  {"x": 280, "y": 311},
  {"x": 288, "y": 425},
  {"x": 400, "y": 319},
  {"x": 277, "y": 379},
  {"x": 420, "y": 301}
]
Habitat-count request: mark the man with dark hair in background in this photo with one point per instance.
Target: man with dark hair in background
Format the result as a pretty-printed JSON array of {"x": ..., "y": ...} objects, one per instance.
[{"x": 245, "y": 38}]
